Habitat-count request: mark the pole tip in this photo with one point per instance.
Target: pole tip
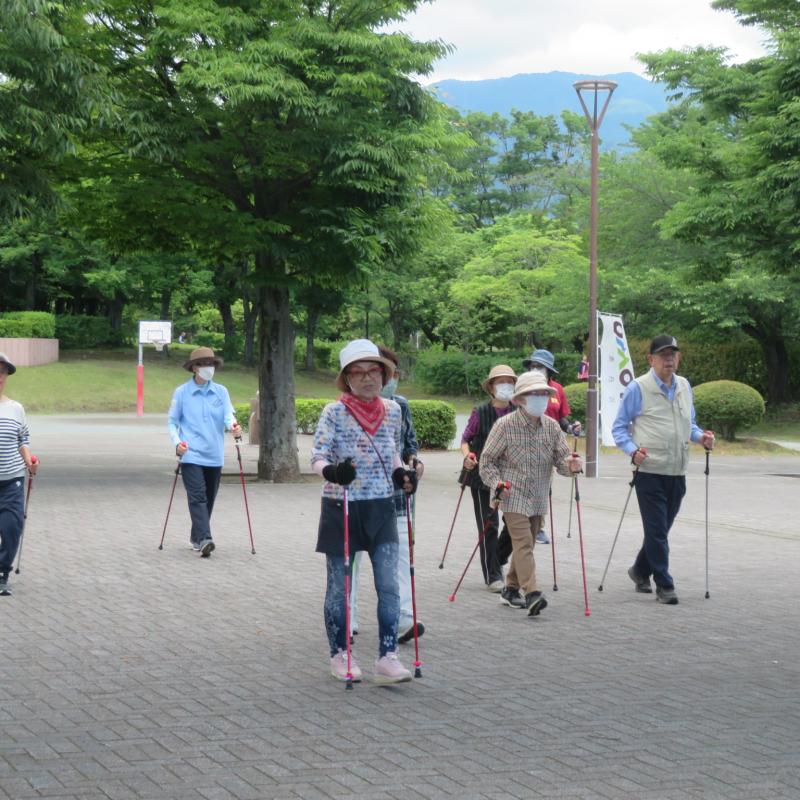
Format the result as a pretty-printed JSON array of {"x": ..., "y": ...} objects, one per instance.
[
  {"x": 16, "y": 572},
  {"x": 587, "y": 613},
  {"x": 707, "y": 594},
  {"x": 161, "y": 547},
  {"x": 417, "y": 673},
  {"x": 252, "y": 552},
  {"x": 349, "y": 685},
  {"x": 600, "y": 588},
  {"x": 452, "y": 598}
]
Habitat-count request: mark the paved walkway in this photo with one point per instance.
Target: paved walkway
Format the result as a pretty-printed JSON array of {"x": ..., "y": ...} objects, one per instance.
[{"x": 126, "y": 672}]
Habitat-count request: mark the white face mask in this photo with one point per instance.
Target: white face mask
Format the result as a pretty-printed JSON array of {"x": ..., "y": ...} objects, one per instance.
[
  {"x": 539, "y": 371},
  {"x": 389, "y": 389},
  {"x": 206, "y": 373},
  {"x": 504, "y": 391},
  {"x": 535, "y": 405}
]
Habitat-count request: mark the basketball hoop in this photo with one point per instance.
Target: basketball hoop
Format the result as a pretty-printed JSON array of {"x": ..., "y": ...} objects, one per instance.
[{"x": 159, "y": 344}]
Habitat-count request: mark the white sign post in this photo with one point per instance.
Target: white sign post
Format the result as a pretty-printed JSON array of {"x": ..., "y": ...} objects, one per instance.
[
  {"x": 616, "y": 372},
  {"x": 157, "y": 333}
]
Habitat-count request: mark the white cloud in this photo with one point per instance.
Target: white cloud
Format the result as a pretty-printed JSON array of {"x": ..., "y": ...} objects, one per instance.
[{"x": 497, "y": 38}]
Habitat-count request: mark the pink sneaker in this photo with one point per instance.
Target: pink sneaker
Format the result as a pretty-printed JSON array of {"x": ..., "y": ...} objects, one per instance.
[
  {"x": 389, "y": 670},
  {"x": 339, "y": 667}
]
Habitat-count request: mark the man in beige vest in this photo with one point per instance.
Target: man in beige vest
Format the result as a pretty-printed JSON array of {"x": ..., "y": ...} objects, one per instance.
[{"x": 654, "y": 425}]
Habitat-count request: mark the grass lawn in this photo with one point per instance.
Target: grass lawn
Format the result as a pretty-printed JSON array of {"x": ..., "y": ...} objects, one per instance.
[{"x": 105, "y": 381}]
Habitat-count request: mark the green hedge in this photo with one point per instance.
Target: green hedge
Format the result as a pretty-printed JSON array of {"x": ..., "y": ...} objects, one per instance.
[
  {"x": 726, "y": 406},
  {"x": 28, "y": 325},
  {"x": 326, "y": 354},
  {"x": 434, "y": 421},
  {"x": 576, "y": 397},
  {"x": 82, "y": 332}
]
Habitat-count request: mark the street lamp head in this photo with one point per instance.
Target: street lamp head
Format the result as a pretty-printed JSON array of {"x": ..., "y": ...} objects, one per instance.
[{"x": 595, "y": 85}]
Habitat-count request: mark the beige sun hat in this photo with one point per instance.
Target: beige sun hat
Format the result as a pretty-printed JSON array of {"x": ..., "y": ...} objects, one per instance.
[
  {"x": 200, "y": 353},
  {"x": 499, "y": 371},
  {"x": 360, "y": 350},
  {"x": 531, "y": 382}
]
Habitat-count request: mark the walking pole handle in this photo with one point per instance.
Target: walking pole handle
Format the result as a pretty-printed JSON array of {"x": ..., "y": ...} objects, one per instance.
[{"x": 501, "y": 487}]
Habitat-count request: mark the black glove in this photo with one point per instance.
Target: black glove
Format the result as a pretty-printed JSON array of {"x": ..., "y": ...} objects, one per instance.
[
  {"x": 343, "y": 473},
  {"x": 399, "y": 477}
]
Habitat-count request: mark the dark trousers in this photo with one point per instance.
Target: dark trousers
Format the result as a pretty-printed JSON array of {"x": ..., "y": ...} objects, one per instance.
[
  {"x": 490, "y": 560},
  {"x": 12, "y": 506},
  {"x": 659, "y": 499},
  {"x": 201, "y": 484}
]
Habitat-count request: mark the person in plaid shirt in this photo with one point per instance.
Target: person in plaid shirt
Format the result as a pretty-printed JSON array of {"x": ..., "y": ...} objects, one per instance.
[{"x": 523, "y": 448}]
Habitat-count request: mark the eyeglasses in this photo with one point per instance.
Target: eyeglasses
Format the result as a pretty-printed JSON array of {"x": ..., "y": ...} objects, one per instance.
[{"x": 362, "y": 374}]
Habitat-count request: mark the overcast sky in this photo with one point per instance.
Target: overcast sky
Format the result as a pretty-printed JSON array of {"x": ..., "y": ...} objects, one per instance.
[{"x": 498, "y": 38}]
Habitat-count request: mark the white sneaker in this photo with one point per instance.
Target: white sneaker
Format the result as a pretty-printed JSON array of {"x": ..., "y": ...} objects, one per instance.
[
  {"x": 339, "y": 667},
  {"x": 389, "y": 669},
  {"x": 496, "y": 586}
]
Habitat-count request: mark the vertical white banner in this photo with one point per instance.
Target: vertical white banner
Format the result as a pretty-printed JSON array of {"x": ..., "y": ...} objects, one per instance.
[{"x": 616, "y": 372}]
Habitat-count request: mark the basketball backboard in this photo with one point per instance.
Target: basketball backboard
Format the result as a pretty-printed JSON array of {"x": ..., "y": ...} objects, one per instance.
[{"x": 155, "y": 332}]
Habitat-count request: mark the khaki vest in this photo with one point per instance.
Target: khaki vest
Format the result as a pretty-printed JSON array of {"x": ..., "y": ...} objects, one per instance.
[{"x": 664, "y": 428}]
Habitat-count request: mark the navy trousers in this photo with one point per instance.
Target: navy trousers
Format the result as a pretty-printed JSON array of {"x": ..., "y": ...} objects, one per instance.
[
  {"x": 12, "y": 507},
  {"x": 659, "y": 499},
  {"x": 201, "y": 484}
]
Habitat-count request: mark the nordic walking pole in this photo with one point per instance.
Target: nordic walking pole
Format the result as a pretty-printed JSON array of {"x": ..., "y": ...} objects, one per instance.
[
  {"x": 580, "y": 539},
  {"x": 461, "y": 480},
  {"x": 238, "y": 440},
  {"x": 495, "y": 502},
  {"x": 708, "y": 453},
  {"x": 622, "y": 517},
  {"x": 171, "y": 495},
  {"x": 34, "y": 460},
  {"x": 349, "y": 679},
  {"x": 552, "y": 538},
  {"x": 571, "y": 494},
  {"x": 417, "y": 662}
]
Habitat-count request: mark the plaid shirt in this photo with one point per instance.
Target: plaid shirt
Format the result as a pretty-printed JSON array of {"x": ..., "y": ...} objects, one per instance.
[{"x": 523, "y": 450}]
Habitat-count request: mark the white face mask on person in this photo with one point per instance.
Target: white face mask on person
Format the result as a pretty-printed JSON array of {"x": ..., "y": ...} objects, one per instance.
[
  {"x": 539, "y": 371},
  {"x": 536, "y": 405},
  {"x": 206, "y": 373},
  {"x": 504, "y": 391}
]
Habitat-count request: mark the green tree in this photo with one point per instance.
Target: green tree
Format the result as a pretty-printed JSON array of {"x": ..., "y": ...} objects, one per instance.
[{"x": 289, "y": 132}]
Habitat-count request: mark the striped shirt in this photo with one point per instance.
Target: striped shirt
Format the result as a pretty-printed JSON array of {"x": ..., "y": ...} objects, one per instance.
[
  {"x": 13, "y": 435},
  {"x": 523, "y": 450},
  {"x": 339, "y": 436}
]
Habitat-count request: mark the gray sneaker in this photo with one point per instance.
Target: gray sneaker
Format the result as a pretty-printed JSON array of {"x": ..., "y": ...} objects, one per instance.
[
  {"x": 666, "y": 596},
  {"x": 207, "y": 548},
  {"x": 642, "y": 584},
  {"x": 535, "y": 602},
  {"x": 511, "y": 597},
  {"x": 4, "y": 590},
  {"x": 541, "y": 537}
]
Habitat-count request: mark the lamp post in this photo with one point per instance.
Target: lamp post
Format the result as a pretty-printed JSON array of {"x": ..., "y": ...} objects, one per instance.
[{"x": 594, "y": 114}]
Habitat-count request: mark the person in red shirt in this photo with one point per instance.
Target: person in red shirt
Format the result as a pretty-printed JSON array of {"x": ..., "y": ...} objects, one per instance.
[{"x": 542, "y": 361}]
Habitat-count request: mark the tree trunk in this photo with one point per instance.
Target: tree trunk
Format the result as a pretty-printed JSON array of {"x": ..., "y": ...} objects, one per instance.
[
  {"x": 166, "y": 297},
  {"x": 776, "y": 361},
  {"x": 228, "y": 328},
  {"x": 31, "y": 283},
  {"x": 115, "y": 308},
  {"x": 312, "y": 317},
  {"x": 250, "y": 319},
  {"x": 277, "y": 457}
]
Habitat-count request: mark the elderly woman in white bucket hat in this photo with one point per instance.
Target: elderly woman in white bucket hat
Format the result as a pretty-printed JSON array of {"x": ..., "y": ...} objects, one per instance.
[
  {"x": 523, "y": 448},
  {"x": 499, "y": 385},
  {"x": 357, "y": 445}
]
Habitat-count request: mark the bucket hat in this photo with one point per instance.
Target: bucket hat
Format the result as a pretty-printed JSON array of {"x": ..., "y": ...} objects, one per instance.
[
  {"x": 200, "y": 353},
  {"x": 360, "y": 350}
]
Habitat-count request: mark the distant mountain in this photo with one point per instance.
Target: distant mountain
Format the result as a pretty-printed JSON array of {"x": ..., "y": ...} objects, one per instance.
[{"x": 634, "y": 99}]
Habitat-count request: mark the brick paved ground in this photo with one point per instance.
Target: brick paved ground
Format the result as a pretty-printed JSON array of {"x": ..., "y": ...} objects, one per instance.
[{"x": 126, "y": 672}]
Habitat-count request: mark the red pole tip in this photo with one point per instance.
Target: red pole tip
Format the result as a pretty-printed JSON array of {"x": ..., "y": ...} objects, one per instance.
[
  {"x": 452, "y": 598},
  {"x": 587, "y": 613}
]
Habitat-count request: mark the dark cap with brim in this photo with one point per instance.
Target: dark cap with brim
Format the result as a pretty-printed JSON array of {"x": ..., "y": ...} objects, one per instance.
[
  {"x": 663, "y": 342},
  {"x": 9, "y": 366}
]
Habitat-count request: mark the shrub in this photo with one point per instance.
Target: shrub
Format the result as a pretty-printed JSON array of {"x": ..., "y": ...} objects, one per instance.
[
  {"x": 212, "y": 339},
  {"x": 81, "y": 332},
  {"x": 28, "y": 324},
  {"x": 434, "y": 423},
  {"x": 725, "y": 406},
  {"x": 242, "y": 411},
  {"x": 576, "y": 397},
  {"x": 308, "y": 412},
  {"x": 323, "y": 351}
]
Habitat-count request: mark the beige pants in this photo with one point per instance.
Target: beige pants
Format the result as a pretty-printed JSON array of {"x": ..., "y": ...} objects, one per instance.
[{"x": 522, "y": 567}]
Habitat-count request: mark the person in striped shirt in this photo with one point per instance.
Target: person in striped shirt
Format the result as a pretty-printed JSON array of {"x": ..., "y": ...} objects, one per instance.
[{"x": 15, "y": 461}]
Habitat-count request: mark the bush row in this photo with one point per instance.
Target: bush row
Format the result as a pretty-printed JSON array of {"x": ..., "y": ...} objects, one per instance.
[
  {"x": 434, "y": 420},
  {"x": 721, "y": 406},
  {"x": 27, "y": 325}
]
